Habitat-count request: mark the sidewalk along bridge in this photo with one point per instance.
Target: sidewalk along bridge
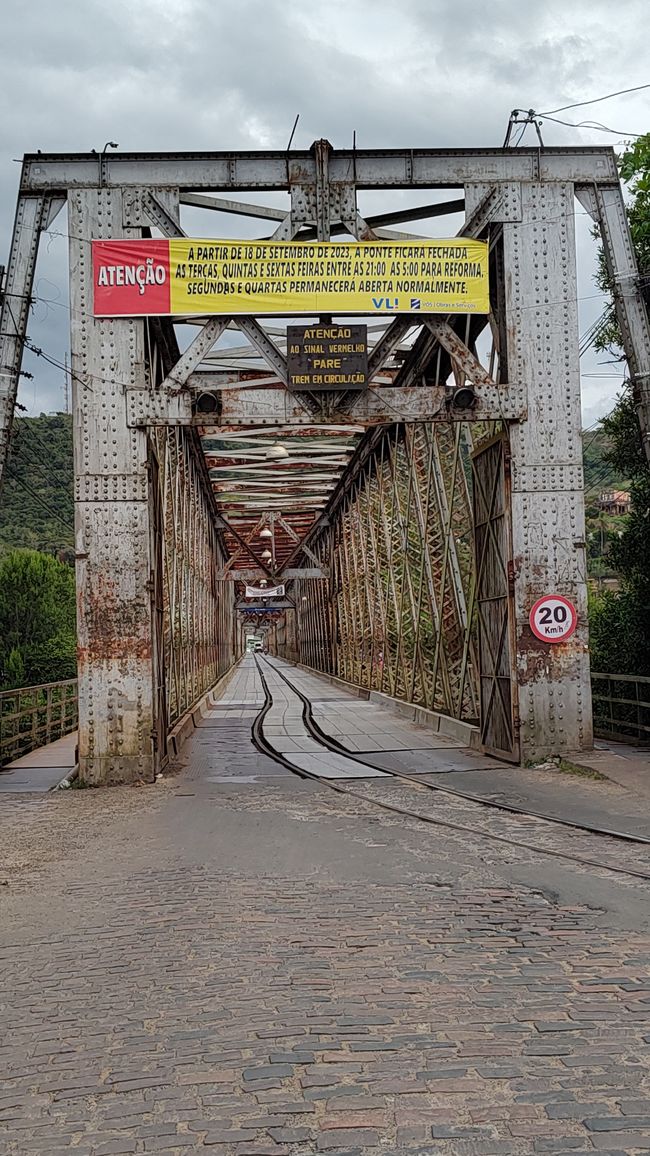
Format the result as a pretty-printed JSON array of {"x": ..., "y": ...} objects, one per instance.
[{"x": 399, "y": 527}]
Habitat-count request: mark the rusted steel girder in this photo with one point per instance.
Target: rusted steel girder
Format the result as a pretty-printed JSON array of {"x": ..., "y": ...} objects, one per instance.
[{"x": 397, "y": 615}]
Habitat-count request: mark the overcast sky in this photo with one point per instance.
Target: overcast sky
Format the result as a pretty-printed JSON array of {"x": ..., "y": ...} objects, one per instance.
[{"x": 228, "y": 74}]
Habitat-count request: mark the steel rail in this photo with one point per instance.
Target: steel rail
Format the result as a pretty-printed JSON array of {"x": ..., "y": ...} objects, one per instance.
[
  {"x": 263, "y": 745},
  {"x": 337, "y": 748}
]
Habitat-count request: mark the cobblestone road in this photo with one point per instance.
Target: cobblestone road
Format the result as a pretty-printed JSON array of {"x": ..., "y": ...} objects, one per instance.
[{"x": 252, "y": 968}]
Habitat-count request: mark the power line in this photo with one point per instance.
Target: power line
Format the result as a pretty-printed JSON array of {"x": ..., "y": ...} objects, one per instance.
[
  {"x": 37, "y": 498},
  {"x": 592, "y": 124},
  {"x": 596, "y": 100},
  {"x": 592, "y": 438},
  {"x": 601, "y": 476},
  {"x": 34, "y": 462},
  {"x": 23, "y": 446},
  {"x": 85, "y": 382},
  {"x": 587, "y": 339},
  {"x": 27, "y": 344}
]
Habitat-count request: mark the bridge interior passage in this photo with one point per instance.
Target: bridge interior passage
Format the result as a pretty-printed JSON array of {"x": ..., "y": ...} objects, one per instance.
[{"x": 411, "y": 524}]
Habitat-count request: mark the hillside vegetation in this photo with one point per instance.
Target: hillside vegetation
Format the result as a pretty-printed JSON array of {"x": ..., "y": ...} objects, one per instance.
[{"x": 36, "y": 506}]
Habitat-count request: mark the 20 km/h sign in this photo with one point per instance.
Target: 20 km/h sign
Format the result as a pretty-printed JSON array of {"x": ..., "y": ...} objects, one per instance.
[{"x": 553, "y": 618}]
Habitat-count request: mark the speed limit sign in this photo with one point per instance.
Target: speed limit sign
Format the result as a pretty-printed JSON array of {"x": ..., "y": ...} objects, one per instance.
[{"x": 553, "y": 618}]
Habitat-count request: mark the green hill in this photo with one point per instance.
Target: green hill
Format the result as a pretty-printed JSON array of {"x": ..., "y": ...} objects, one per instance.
[
  {"x": 36, "y": 503},
  {"x": 599, "y": 474}
]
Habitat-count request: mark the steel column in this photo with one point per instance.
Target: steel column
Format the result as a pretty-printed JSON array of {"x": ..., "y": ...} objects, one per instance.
[
  {"x": 631, "y": 311},
  {"x": 16, "y": 299},
  {"x": 547, "y": 483},
  {"x": 112, "y": 518}
]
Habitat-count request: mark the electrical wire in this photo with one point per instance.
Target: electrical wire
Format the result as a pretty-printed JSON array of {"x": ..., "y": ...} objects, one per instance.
[
  {"x": 59, "y": 474},
  {"x": 588, "y": 124},
  {"x": 520, "y": 136},
  {"x": 86, "y": 383},
  {"x": 596, "y": 100},
  {"x": 602, "y": 477},
  {"x": 27, "y": 344},
  {"x": 37, "y": 498},
  {"x": 590, "y": 335},
  {"x": 31, "y": 455}
]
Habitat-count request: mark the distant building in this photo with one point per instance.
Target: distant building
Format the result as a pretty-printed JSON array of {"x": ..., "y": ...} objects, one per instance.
[{"x": 615, "y": 502}]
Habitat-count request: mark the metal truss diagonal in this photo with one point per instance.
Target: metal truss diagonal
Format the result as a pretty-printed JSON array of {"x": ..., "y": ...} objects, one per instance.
[
  {"x": 226, "y": 205},
  {"x": 194, "y": 354},
  {"x": 160, "y": 216},
  {"x": 31, "y": 212},
  {"x": 402, "y": 575},
  {"x": 458, "y": 351},
  {"x": 264, "y": 345},
  {"x": 198, "y": 610}
]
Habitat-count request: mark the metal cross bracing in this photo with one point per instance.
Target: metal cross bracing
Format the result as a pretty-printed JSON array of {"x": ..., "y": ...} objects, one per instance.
[
  {"x": 401, "y": 602},
  {"x": 198, "y": 610},
  {"x": 370, "y": 509}
]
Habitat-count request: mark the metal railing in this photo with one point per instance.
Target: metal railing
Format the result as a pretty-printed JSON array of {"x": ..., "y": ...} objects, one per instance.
[
  {"x": 33, "y": 716},
  {"x": 621, "y": 706}
]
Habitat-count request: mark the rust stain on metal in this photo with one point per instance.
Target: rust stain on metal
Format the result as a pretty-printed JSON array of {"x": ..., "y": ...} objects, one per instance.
[
  {"x": 117, "y": 625},
  {"x": 542, "y": 661}
]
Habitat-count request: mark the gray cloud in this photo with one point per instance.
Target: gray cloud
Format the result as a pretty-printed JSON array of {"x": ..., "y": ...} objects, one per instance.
[{"x": 204, "y": 74}]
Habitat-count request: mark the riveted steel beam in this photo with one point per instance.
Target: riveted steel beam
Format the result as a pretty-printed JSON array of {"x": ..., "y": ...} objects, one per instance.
[
  {"x": 382, "y": 168},
  {"x": 380, "y": 406},
  {"x": 261, "y": 341},
  {"x": 160, "y": 216},
  {"x": 631, "y": 310}
]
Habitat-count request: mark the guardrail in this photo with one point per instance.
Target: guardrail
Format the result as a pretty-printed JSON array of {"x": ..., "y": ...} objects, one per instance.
[
  {"x": 32, "y": 716},
  {"x": 621, "y": 706}
]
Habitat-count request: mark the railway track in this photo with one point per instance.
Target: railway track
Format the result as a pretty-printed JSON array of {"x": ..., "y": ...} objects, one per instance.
[{"x": 473, "y": 806}]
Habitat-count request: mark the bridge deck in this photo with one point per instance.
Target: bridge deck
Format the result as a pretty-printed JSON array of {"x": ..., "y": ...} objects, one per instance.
[
  {"x": 368, "y": 731},
  {"x": 375, "y": 737},
  {"x": 42, "y": 768}
]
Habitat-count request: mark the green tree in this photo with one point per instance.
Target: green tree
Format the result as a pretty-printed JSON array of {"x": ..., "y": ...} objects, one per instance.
[
  {"x": 620, "y": 623},
  {"x": 37, "y": 619}
]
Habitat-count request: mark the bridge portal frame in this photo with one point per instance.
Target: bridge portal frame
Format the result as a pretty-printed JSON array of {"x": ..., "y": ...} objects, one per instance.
[{"x": 525, "y": 196}]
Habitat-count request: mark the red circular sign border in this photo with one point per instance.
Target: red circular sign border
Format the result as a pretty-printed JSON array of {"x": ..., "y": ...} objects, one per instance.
[{"x": 558, "y": 598}]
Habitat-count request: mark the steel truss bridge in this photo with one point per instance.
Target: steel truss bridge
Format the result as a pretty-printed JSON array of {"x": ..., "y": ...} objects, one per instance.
[{"x": 412, "y": 536}]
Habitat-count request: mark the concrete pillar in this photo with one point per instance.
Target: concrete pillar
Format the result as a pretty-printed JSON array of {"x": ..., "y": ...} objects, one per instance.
[
  {"x": 112, "y": 517},
  {"x": 548, "y": 528}
]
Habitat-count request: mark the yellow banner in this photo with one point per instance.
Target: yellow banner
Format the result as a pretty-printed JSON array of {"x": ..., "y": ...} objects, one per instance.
[{"x": 292, "y": 277}]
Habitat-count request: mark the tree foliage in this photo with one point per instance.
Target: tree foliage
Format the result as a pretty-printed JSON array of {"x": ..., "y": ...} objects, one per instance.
[
  {"x": 620, "y": 623},
  {"x": 634, "y": 166},
  {"x": 37, "y": 619},
  {"x": 36, "y": 507}
]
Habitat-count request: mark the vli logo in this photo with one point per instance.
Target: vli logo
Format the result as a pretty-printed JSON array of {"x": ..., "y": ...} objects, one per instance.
[{"x": 385, "y": 302}]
